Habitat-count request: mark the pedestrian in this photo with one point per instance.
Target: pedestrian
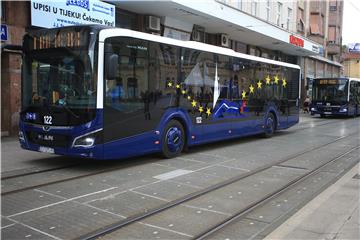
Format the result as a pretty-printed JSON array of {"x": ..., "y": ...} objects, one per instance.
[{"x": 306, "y": 104}]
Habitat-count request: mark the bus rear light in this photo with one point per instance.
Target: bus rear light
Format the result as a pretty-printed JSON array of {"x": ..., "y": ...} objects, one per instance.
[
  {"x": 157, "y": 142},
  {"x": 193, "y": 137}
]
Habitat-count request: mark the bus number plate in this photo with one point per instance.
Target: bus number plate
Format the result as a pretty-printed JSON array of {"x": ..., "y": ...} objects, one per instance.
[
  {"x": 46, "y": 149},
  {"x": 47, "y": 119},
  {"x": 327, "y": 112}
]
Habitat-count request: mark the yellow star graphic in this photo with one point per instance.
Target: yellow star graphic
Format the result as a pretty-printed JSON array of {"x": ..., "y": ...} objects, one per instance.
[
  {"x": 201, "y": 109},
  {"x": 208, "y": 111},
  {"x": 177, "y": 85},
  {"x": 243, "y": 94},
  {"x": 267, "y": 79},
  {"x": 169, "y": 84},
  {"x": 188, "y": 97},
  {"x": 193, "y": 103},
  {"x": 259, "y": 84},
  {"x": 284, "y": 82},
  {"x": 183, "y": 91},
  {"x": 251, "y": 89},
  {"x": 276, "y": 79}
]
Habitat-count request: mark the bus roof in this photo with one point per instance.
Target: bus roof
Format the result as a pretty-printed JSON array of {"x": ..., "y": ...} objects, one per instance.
[
  {"x": 340, "y": 78},
  {"x": 115, "y": 32}
]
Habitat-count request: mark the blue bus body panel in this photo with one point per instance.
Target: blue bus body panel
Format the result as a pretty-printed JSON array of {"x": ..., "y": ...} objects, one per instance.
[
  {"x": 72, "y": 132},
  {"x": 150, "y": 142},
  {"x": 322, "y": 109}
]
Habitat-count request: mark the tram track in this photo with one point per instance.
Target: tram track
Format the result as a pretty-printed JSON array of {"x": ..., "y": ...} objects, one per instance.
[
  {"x": 110, "y": 169},
  {"x": 208, "y": 233},
  {"x": 9, "y": 176},
  {"x": 139, "y": 217}
]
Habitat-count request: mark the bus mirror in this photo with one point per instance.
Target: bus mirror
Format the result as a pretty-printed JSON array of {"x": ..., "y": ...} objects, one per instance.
[{"x": 111, "y": 65}]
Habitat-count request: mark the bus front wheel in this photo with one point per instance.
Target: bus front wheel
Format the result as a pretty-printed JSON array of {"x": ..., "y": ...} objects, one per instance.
[
  {"x": 173, "y": 139},
  {"x": 270, "y": 125}
]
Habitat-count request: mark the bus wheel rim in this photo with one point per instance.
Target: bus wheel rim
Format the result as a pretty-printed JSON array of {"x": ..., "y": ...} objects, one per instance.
[
  {"x": 174, "y": 139},
  {"x": 269, "y": 125}
]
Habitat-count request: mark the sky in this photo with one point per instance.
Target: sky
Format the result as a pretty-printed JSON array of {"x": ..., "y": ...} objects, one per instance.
[{"x": 351, "y": 20}]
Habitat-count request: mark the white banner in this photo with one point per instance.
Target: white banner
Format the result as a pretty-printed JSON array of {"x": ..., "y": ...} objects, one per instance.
[{"x": 59, "y": 13}]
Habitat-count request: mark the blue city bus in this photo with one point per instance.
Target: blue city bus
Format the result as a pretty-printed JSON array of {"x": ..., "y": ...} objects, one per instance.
[
  {"x": 335, "y": 97},
  {"x": 109, "y": 93}
]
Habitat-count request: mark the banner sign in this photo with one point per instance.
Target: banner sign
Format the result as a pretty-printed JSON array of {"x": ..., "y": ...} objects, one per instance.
[
  {"x": 176, "y": 34},
  {"x": 296, "y": 41},
  {"x": 354, "y": 47},
  {"x": 59, "y": 13}
]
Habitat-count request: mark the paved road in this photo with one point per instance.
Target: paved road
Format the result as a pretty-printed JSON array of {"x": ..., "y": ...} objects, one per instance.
[{"x": 65, "y": 202}]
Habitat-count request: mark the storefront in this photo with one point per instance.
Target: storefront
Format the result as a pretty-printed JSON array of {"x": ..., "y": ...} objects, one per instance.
[{"x": 195, "y": 22}]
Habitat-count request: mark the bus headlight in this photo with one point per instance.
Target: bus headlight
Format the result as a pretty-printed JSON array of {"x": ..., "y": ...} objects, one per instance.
[
  {"x": 313, "y": 109},
  {"x": 86, "y": 140}
]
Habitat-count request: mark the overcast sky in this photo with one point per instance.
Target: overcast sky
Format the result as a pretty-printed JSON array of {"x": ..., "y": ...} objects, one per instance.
[{"x": 351, "y": 20}]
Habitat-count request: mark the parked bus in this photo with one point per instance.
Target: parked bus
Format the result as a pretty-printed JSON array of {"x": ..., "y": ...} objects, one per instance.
[
  {"x": 336, "y": 96},
  {"x": 108, "y": 93}
]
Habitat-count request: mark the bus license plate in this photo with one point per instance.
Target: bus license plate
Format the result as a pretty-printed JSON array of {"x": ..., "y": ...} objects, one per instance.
[
  {"x": 327, "y": 112},
  {"x": 46, "y": 149}
]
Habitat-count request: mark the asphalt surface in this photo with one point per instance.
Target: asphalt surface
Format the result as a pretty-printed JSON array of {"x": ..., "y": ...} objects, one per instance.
[{"x": 52, "y": 197}]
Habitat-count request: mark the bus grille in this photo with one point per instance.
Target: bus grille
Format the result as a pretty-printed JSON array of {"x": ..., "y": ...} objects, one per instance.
[{"x": 48, "y": 140}]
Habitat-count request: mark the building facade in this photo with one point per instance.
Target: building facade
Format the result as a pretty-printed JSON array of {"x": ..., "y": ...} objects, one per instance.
[
  {"x": 15, "y": 19},
  {"x": 267, "y": 29},
  {"x": 321, "y": 21},
  {"x": 351, "y": 63}
]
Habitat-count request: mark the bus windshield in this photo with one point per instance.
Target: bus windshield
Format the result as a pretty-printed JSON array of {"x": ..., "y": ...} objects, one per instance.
[
  {"x": 59, "y": 78},
  {"x": 332, "y": 90}
]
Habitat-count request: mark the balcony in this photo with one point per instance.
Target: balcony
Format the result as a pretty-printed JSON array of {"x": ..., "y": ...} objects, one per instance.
[{"x": 333, "y": 48}]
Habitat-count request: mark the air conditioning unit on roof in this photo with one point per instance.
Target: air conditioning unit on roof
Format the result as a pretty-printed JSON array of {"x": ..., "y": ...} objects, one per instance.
[
  {"x": 224, "y": 40},
  {"x": 153, "y": 23},
  {"x": 196, "y": 36},
  {"x": 198, "y": 33}
]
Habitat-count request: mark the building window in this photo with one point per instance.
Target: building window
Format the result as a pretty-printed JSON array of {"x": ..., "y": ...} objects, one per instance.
[
  {"x": 317, "y": 24},
  {"x": 3, "y": 11},
  {"x": 332, "y": 35},
  {"x": 254, "y": 8},
  {"x": 268, "y": 10},
  {"x": 125, "y": 19},
  {"x": 239, "y": 4},
  {"x": 300, "y": 20},
  {"x": 288, "y": 20},
  {"x": 278, "y": 14},
  {"x": 333, "y": 5}
]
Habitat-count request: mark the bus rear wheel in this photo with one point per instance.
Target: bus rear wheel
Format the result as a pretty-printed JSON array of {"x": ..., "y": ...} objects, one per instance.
[
  {"x": 173, "y": 139},
  {"x": 270, "y": 125}
]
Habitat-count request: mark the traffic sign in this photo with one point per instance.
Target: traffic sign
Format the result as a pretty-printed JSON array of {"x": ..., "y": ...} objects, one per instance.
[{"x": 4, "y": 32}]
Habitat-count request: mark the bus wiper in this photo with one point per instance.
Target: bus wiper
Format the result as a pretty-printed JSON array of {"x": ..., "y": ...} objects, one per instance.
[{"x": 69, "y": 111}]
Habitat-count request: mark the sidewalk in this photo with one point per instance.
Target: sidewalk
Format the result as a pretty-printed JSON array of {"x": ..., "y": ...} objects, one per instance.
[
  {"x": 334, "y": 214},
  {"x": 13, "y": 157}
]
